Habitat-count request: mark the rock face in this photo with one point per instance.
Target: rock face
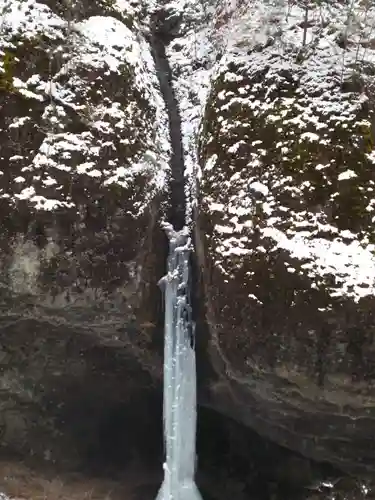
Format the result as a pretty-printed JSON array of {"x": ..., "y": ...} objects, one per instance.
[
  {"x": 285, "y": 236},
  {"x": 160, "y": 32},
  {"x": 284, "y": 220},
  {"x": 84, "y": 168}
]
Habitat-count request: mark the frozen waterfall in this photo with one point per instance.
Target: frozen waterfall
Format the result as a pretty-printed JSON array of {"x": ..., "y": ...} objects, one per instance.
[{"x": 179, "y": 375}]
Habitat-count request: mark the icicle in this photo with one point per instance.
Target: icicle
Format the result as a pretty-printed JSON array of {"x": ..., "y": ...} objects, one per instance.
[{"x": 179, "y": 376}]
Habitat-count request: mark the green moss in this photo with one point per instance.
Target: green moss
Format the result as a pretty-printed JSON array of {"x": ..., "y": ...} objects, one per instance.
[
  {"x": 6, "y": 78},
  {"x": 367, "y": 135},
  {"x": 274, "y": 138}
]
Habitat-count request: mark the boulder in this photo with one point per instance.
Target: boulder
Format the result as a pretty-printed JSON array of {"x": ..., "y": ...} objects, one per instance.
[
  {"x": 84, "y": 169},
  {"x": 285, "y": 231}
]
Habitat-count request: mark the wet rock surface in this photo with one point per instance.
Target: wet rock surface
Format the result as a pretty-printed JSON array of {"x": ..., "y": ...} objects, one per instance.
[{"x": 232, "y": 461}]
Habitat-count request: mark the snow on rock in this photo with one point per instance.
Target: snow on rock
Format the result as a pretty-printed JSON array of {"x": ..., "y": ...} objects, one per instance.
[
  {"x": 96, "y": 77},
  {"x": 128, "y": 11},
  {"x": 191, "y": 56},
  {"x": 298, "y": 123},
  {"x": 83, "y": 126},
  {"x": 285, "y": 228}
]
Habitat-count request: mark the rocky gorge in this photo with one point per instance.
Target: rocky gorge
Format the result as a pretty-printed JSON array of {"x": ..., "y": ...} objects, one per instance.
[{"x": 251, "y": 121}]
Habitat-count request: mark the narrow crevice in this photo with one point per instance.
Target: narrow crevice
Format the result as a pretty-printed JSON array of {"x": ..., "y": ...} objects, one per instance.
[
  {"x": 159, "y": 38},
  {"x": 205, "y": 371}
]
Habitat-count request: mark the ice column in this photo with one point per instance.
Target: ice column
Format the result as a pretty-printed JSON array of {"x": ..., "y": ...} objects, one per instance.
[{"x": 179, "y": 375}]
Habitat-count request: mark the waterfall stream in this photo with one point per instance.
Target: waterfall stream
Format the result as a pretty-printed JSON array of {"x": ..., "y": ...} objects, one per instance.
[
  {"x": 179, "y": 375},
  {"x": 179, "y": 351}
]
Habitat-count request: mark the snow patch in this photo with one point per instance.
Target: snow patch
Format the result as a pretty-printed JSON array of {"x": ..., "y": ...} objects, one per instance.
[{"x": 352, "y": 265}]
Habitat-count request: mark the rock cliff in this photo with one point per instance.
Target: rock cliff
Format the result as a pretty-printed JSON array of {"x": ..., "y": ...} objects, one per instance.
[
  {"x": 285, "y": 219},
  {"x": 265, "y": 114},
  {"x": 83, "y": 186}
]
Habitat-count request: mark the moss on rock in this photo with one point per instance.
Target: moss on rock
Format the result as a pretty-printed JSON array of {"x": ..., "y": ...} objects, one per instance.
[
  {"x": 285, "y": 209},
  {"x": 82, "y": 168}
]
